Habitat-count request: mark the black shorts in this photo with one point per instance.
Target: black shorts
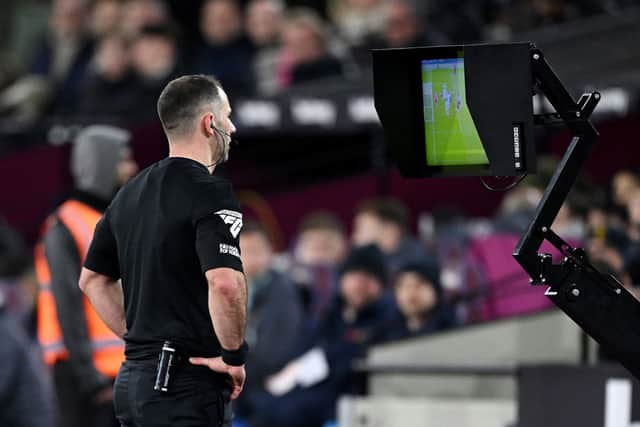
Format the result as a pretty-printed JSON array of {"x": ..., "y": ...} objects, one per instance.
[{"x": 197, "y": 398}]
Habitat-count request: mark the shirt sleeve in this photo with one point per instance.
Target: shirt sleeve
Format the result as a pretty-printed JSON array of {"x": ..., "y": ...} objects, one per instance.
[
  {"x": 103, "y": 252},
  {"x": 217, "y": 221}
]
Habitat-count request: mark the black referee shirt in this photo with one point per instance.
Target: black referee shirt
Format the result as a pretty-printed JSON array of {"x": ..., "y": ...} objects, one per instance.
[{"x": 163, "y": 230}]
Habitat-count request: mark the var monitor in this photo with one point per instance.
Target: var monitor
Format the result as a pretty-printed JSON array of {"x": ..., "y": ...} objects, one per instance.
[{"x": 457, "y": 110}]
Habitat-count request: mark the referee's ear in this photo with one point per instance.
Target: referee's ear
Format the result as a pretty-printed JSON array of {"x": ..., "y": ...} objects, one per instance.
[{"x": 207, "y": 123}]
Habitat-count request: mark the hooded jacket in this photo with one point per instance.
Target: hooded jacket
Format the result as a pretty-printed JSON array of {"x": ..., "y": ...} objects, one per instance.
[
  {"x": 95, "y": 155},
  {"x": 96, "y": 152}
]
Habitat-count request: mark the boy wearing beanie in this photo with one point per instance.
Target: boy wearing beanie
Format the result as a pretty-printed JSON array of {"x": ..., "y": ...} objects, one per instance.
[{"x": 420, "y": 302}]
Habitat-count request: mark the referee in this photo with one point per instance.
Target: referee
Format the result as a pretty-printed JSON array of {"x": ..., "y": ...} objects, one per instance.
[{"x": 171, "y": 236}]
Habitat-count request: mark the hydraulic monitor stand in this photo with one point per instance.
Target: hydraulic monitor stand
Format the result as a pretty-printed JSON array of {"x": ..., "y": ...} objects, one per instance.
[{"x": 595, "y": 301}]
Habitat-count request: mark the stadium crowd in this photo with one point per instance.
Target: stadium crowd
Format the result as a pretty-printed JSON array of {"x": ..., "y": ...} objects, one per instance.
[
  {"x": 108, "y": 59},
  {"x": 339, "y": 288}
]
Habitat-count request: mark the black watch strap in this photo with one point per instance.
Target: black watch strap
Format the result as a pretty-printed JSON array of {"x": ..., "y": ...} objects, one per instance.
[{"x": 236, "y": 357}]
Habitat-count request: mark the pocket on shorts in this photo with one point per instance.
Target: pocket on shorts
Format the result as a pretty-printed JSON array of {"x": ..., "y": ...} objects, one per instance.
[{"x": 120, "y": 394}]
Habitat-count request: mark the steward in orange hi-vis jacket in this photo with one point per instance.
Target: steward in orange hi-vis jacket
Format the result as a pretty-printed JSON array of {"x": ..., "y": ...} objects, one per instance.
[{"x": 81, "y": 350}]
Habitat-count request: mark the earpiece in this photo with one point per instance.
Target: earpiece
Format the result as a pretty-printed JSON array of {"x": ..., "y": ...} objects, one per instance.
[{"x": 219, "y": 140}]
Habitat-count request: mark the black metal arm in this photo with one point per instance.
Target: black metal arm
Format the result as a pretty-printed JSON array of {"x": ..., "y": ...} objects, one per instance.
[{"x": 598, "y": 303}]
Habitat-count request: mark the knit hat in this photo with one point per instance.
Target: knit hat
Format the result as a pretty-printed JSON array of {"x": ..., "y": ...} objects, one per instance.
[
  {"x": 368, "y": 259},
  {"x": 428, "y": 270}
]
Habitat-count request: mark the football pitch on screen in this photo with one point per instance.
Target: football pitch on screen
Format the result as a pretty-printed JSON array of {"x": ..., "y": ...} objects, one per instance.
[{"x": 450, "y": 134}]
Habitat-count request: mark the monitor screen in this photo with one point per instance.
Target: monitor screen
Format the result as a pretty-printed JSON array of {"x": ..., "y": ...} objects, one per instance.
[{"x": 451, "y": 137}]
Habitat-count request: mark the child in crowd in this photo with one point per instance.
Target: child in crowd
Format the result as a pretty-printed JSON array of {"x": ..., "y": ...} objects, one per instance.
[{"x": 421, "y": 307}]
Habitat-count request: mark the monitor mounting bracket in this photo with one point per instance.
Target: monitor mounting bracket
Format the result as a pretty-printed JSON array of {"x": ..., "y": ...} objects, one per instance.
[{"x": 597, "y": 302}]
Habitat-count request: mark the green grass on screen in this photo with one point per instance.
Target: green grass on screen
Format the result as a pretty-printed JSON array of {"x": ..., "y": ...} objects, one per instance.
[{"x": 450, "y": 135}]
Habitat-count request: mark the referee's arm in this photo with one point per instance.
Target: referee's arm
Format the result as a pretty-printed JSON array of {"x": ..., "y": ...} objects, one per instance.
[
  {"x": 107, "y": 299},
  {"x": 228, "y": 305},
  {"x": 218, "y": 249},
  {"x": 227, "y": 308}
]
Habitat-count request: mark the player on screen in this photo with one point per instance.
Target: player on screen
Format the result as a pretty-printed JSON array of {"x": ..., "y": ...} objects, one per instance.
[{"x": 447, "y": 102}]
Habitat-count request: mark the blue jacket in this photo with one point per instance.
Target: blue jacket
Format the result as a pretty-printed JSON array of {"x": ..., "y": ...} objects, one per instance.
[
  {"x": 25, "y": 399},
  {"x": 273, "y": 328},
  {"x": 442, "y": 318},
  {"x": 343, "y": 342}
]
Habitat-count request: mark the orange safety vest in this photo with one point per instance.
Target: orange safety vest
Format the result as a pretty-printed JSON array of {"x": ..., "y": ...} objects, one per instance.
[{"x": 108, "y": 348}]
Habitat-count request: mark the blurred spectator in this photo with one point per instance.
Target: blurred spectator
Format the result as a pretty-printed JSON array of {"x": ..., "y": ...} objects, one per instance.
[
  {"x": 569, "y": 225},
  {"x": 597, "y": 220},
  {"x": 13, "y": 251},
  {"x": 344, "y": 335},
  {"x": 22, "y": 24},
  {"x": 462, "y": 24},
  {"x": 421, "y": 305},
  {"x": 320, "y": 248},
  {"x": 632, "y": 250},
  {"x": 64, "y": 55},
  {"x": 633, "y": 213},
  {"x": 605, "y": 242},
  {"x": 385, "y": 222},
  {"x": 17, "y": 290},
  {"x": 318, "y": 6},
  {"x": 154, "y": 54},
  {"x": 403, "y": 27},
  {"x": 25, "y": 396},
  {"x": 624, "y": 183},
  {"x": 358, "y": 20},
  {"x": 23, "y": 101},
  {"x": 321, "y": 240},
  {"x": 503, "y": 18},
  {"x": 108, "y": 91},
  {"x": 363, "y": 278},
  {"x": 84, "y": 354},
  {"x": 547, "y": 12},
  {"x": 225, "y": 53},
  {"x": 106, "y": 17},
  {"x": 517, "y": 208},
  {"x": 274, "y": 316},
  {"x": 154, "y": 57},
  {"x": 608, "y": 249},
  {"x": 305, "y": 55},
  {"x": 264, "y": 22},
  {"x": 138, "y": 14},
  {"x": 499, "y": 20}
]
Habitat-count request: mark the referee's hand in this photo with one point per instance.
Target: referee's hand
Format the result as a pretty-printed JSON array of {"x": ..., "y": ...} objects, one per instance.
[{"x": 237, "y": 374}]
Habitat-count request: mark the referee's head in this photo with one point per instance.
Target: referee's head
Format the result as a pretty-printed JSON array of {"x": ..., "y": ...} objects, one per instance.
[{"x": 195, "y": 114}]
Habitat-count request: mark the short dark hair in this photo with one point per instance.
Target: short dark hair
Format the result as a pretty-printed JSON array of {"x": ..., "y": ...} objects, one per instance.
[
  {"x": 165, "y": 31},
  {"x": 254, "y": 227},
  {"x": 386, "y": 209},
  {"x": 183, "y": 99},
  {"x": 321, "y": 220}
]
